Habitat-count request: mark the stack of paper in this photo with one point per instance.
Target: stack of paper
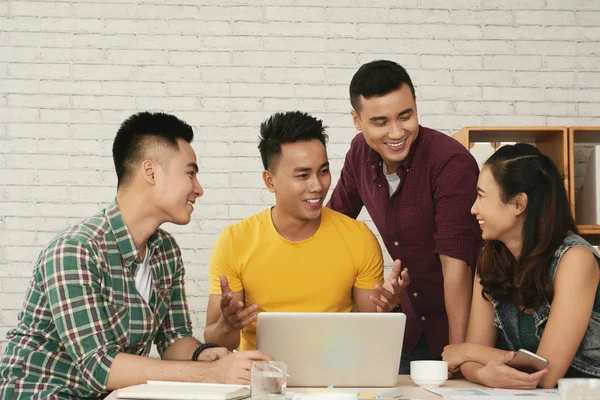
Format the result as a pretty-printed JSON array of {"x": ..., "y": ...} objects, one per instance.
[
  {"x": 162, "y": 390},
  {"x": 494, "y": 394}
]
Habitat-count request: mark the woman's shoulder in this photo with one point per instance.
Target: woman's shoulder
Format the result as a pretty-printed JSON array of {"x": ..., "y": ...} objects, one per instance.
[
  {"x": 576, "y": 255},
  {"x": 579, "y": 255},
  {"x": 574, "y": 241}
]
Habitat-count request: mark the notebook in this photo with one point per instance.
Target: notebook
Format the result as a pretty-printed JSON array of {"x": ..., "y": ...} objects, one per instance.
[{"x": 163, "y": 390}]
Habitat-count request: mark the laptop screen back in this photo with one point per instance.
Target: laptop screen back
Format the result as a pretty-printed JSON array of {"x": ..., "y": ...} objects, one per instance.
[{"x": 340, "y": 349}]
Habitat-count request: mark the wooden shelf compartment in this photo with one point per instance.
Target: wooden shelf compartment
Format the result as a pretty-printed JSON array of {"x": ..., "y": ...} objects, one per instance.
[
  {"x": 550, "y": 140},
  {"x": 582, "y": 135}
]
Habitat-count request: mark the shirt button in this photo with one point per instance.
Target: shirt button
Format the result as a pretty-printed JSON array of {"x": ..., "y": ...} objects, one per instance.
[
  {"x": 416, "y": 295},
  {"x": 127, "y": 262},
  {"x": 116, "y": 309},
  {"x": 396, "y": 243},
  {"x": 149, "y": 319},
  {"x": 423, "y": 318}
]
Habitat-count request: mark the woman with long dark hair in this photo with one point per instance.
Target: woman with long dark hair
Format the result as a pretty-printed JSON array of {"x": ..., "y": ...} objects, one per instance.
[{"x": 537, "y": 281}]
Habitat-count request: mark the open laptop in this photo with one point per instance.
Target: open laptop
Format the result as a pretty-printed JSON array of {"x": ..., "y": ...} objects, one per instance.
[{"x": 340, "y": 349}]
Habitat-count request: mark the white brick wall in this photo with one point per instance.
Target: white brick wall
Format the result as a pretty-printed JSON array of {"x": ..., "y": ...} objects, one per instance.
[{"x": 71, "y": 71}]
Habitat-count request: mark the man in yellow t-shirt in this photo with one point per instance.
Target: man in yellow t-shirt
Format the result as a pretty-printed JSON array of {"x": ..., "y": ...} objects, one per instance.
[{"x": 297, "y": 255}]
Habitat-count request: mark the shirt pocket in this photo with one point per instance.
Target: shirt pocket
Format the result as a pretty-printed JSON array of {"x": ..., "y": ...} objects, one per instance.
[
  {"x": 414, "y": 224},
  {"x": 117, "y": 316},
  {"x": 118, "y": 323},
  {"x": 163, "y": 303}
]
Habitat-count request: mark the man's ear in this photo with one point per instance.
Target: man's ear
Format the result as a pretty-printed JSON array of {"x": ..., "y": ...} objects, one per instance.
[
  {"x": 356, "y": 120},
  {"x": 268, "y": 179},
  {"x": 520, "y": 203},
  {"x": 148, "y": 169}
]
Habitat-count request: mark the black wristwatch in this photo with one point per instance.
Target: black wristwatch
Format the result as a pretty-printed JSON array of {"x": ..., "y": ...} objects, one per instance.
[{"x": 201, "y": 348}]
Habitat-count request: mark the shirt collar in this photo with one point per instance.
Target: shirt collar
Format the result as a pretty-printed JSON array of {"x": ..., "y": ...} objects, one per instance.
[
  {"x": 124, "y": 239},
  {"x": 374, "y": 158}
]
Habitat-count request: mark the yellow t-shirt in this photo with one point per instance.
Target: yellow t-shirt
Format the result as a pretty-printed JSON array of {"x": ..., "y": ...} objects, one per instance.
[{"x": 312, "y": 275}]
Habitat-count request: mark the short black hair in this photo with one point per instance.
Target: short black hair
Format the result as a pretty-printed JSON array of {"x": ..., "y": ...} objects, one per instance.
[
  {"x": 139, "y": 131},
  {"x": 288, "y": 127},
  {"x": 378, "y": 78}
]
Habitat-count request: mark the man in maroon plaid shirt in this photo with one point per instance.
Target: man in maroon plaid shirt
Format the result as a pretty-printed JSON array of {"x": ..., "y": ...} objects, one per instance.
[{"x": 418, "y": 186}]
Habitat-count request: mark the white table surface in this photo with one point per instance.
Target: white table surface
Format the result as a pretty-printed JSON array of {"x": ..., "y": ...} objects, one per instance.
[{"x": 411, "y": 391}]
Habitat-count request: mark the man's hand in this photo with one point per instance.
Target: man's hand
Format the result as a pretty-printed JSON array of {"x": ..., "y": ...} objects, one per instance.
[
  {"x": 235, "y": 367},
  {"x": 213, "y": 354},
  {"x": 393, "y": 289},
  {"x": 496, "y": 374},
  {"x": 234, "y": 313}
]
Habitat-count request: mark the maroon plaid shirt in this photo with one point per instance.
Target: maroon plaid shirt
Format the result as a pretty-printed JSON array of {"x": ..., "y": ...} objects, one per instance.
[{"x": 429, "y": 214}]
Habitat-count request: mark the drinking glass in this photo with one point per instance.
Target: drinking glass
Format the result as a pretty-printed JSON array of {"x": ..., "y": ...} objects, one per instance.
[{"x": 268, "y": 380}]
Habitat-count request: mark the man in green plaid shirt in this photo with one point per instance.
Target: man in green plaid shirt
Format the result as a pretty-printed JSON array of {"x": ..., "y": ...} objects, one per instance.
[{"x": 106, "y": 288}]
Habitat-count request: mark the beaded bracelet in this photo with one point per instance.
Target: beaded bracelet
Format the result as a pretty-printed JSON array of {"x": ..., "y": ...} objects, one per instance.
[{"x": 201, "y": 348}]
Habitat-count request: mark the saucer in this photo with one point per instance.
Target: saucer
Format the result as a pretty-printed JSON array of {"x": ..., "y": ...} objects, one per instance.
[{"x": 429, "y": 382}]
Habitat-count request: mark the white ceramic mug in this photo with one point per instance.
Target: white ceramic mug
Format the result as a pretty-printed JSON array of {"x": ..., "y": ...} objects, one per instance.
[
  {"x": 429, "y": 372},
  {"x": 579, "y": 388}
]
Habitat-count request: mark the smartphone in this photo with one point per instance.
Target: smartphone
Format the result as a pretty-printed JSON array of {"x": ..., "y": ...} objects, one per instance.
[{"x": 527, "y": 361}]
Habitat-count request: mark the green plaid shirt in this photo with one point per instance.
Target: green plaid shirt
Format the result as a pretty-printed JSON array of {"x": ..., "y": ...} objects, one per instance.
[{"x": 82, "y": 309}]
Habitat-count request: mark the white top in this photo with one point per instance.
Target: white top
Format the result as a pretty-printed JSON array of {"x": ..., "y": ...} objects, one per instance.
[
  {"x": 393, "y": 179},
  {"x": 143, "y": 278}
]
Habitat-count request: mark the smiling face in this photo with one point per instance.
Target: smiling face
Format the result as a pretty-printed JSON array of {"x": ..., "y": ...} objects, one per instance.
[
  {"x": 389, "y": 123},
  {"x": 177, "y": 186},
  {"x": 300, "y": 179},
  {"x": 497, "y": 220}
]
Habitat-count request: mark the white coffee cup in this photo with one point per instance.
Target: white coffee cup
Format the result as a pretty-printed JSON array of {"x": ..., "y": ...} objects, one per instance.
[
  {"x": 428, "y": 372},
  {"x": 579, "y": 388}
]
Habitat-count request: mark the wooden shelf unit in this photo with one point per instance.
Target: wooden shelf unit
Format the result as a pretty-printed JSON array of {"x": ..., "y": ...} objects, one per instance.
[
  {"x": 550, "y": 140},
  {"x": 557, "y": 142},
  {"x": 584, "y": 135}
]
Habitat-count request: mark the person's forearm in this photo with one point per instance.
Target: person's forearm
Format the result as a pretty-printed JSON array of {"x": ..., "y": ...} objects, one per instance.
[
  {"x": 182, "y": 349},
  {"x": 128, "y": 369},
  {"x": 482, "y": 354},
  {"x": 457, "y": 297},
  {"x": 222, "y": 334},
  {"x": 469, "y": 371}
]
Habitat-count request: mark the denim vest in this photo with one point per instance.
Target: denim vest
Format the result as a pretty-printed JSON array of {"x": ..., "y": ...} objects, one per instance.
[{"x": 506, "y": 318}]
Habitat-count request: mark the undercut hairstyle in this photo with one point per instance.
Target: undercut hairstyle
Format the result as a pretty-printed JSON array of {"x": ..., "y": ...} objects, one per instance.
[
  {"x": 525, "y": 281},
  {"x": 143, "y": 132},
  {"x": 378, "y": 78},
  {"x": 288, "y": 127}
]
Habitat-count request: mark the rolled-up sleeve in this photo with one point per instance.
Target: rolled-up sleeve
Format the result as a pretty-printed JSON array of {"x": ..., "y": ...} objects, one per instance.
[
  {"x": 177, "y": 323},
  {"x": 74, "y": 295},
  {"x": 455, "y": 189}
]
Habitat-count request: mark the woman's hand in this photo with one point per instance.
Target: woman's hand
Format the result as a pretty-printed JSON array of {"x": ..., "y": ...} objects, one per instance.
[
  {"x": 455, "y": 355},
  {"x": 497, "y": 374}
]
